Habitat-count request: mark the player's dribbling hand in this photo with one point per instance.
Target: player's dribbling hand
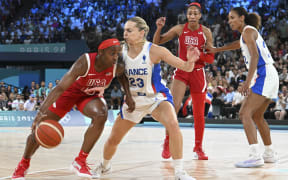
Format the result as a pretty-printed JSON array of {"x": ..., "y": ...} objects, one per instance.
[
  {"x": 131, "y": 104},
  {"x": 160, "y": 22},
  {"x": 40, "y": 116}
]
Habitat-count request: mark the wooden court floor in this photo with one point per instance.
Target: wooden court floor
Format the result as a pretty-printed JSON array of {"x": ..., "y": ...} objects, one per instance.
[{"x": 139, "y": 155}]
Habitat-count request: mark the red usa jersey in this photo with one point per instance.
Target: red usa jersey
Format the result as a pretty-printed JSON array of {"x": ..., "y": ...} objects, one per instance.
[
  {"x": 92, "y": 78},
  {"x": 195, "y": 38}
]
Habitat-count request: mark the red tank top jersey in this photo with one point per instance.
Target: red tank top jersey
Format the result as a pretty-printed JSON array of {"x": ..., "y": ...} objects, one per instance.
[
  {"x": 196, "y": 79},
  {"x": 195, "y": 38},
  {"x": 75, "y": 94},
  {"x": 92, "y": 78}
]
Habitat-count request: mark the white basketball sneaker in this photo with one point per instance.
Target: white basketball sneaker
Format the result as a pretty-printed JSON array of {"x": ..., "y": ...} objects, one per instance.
[
  {"x": 270, "y": 156},
  {"x": 251, "y": 162},
  {"x": 100, "y": 170},
  {"x": 182, "y": 175}
]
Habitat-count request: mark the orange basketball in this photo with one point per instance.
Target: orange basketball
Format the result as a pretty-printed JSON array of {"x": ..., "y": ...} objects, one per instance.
[{"x": 49, "y": 133}]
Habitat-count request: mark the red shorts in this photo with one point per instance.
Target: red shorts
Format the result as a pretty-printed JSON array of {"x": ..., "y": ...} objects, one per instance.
[
  {"x": 196, "y": 79},
  {"x": 68, "y": 99}
]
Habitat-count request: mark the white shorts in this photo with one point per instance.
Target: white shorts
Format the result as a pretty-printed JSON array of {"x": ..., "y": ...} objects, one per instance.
[
  {"x": 266, "y": 82},
  {"x": 144, "y": 105}
]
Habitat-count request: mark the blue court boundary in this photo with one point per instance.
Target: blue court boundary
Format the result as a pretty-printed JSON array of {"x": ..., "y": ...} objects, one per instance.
[{"x": 229, "y": 126}]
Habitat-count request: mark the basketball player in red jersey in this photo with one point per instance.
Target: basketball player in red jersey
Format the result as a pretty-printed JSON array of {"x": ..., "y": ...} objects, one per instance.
[
  {"x": 190, "y": 34},
  {"x": 83, "y": 85}
]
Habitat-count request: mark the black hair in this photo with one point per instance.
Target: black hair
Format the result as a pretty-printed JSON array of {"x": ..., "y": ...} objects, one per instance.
[{"x": 251, "y": 19}]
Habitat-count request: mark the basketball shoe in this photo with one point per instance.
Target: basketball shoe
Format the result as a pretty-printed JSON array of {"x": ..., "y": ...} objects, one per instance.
[
  {"x": 99, "y": 170},
  {"x": 182, "y": 175},
  {"x": 166, "y": 152},
  {"x": 251, "y": 162},
  {"x": 80, "y": 167},
  {"x": 270, "y": 156},
  {"x": 199, "y": 154},
  {"x": 254, "y": 160},
  {"x": 21, "y": 170}
]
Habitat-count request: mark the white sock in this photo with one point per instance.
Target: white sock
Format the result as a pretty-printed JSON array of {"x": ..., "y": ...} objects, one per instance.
[
  {"x": 106, "y": 163},
  {"x": 254, "y": 150},
  {"x": 269, "y": 148},
  {"x": 178, "y": 165}
]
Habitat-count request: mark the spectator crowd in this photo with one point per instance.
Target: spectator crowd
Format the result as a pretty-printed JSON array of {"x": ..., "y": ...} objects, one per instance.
[{"x": 52, "y": 21}]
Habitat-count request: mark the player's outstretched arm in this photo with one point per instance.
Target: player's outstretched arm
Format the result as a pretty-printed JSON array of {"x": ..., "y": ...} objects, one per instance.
[
  {"x": 79, "y": 68},
  {"x": 158, "y": 53},
  {"x": 123, "y": 80},
  {"x": 159, "y": 38},
  {"x": 232, "y": 46}
]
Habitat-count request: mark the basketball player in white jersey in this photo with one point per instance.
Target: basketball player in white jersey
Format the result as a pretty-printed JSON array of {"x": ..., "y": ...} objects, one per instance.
[
  {"x": 260, "y": 87},
  {"x": 142, "y": 67}
]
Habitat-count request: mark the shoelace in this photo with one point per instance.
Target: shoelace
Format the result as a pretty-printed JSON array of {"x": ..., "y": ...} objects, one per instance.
[
  {"x": 85, "y": 165},
  {"x": 98, "y": 168}
]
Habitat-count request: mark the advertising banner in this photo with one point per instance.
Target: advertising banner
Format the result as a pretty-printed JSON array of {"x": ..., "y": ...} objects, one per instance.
[
  {"x": 34, "y": 48},
  {"x": 26, "y": 118}
]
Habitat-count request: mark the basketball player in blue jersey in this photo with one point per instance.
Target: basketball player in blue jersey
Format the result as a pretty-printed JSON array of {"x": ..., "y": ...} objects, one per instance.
[
  {"x": 142, "y": 67},
  {"x": 260, "y": 87}
]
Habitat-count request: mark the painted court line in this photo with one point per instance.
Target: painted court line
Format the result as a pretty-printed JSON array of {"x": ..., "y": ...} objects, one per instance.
[
  {"x": 35, "y": 172},
  {"x": 90, "y": 164}
]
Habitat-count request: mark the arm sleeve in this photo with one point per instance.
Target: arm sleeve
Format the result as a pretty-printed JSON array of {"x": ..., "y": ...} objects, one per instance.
[{"x": 206, "y": 57}]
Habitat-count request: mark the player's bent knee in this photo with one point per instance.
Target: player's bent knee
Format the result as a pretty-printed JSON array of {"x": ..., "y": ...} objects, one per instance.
[
  {"x": 172, "y": 125},
  {"x": 244, "y": 116},
  {"x": 257, "y": 117},
  {"x": 241, "y": 116},
  {"x": 99, "y": 118}
]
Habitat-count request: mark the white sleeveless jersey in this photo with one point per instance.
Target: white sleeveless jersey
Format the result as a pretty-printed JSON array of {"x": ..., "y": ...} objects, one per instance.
[
  {"x": 144, "y": 76},
  {"x": 264, "y": 54},
  {"x": 265, "y": 80},
  {"x": 145, "y": 83}
]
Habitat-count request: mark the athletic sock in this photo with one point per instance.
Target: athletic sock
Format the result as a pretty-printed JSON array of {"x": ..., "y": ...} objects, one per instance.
[
  {"x": 106, "y": 163},
  {"x": 178, "y": 165},
  {"x": 82, "y": 155}
]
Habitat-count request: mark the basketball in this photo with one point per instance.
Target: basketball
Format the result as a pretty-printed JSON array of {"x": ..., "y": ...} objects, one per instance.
[{"x": 49, "y": 133}]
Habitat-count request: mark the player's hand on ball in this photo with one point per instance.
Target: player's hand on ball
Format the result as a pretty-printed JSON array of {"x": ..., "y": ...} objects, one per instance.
[{"x": 40, "y": 116}]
